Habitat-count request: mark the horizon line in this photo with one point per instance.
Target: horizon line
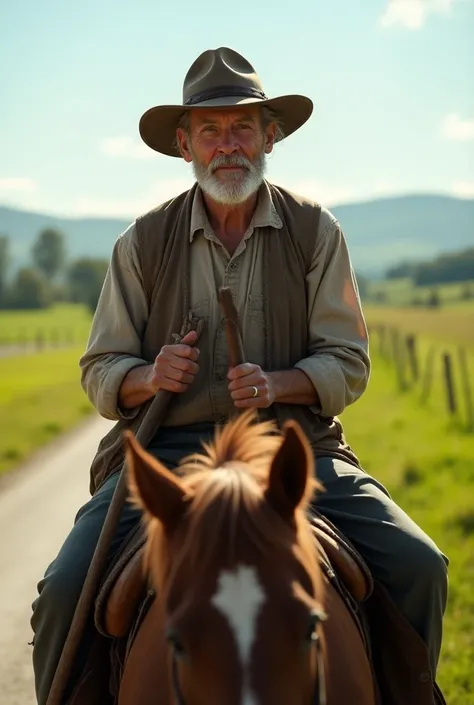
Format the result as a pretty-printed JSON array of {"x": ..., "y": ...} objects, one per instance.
[{"x": 335, "y": 204}]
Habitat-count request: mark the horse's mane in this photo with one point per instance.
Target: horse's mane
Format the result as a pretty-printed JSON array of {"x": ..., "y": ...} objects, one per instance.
[{"x": 228, "y": 511}]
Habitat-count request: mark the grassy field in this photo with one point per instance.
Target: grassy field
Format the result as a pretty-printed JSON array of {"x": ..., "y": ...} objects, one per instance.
[
  {"x": 403, "y": 292},
  {"x": 426, "y": 460},
  {"x": 40, "y": 396},
  {"x": 64, "y": 323},
  {"x": 449, "y": 326},
  {"x": 427, "y": 464}
]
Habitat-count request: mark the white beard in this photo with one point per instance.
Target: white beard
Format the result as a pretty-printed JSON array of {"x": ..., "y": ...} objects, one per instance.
[{"x": 237, "y": 187}]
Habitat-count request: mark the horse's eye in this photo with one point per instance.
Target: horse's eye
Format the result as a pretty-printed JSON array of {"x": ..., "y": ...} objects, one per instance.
[{"x": 173, "y": 640}]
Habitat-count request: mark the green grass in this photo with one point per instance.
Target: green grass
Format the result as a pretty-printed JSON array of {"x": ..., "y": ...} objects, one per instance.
[
  {"x": 425, "y": 458},
  {"x": 64, "y": 323},
  {"x": 40, "y": 397},
  {"x": 453, "y": 325}
]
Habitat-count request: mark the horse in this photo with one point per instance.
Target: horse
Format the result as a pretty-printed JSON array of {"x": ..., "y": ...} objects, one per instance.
[{"x": 243, "y": 613}]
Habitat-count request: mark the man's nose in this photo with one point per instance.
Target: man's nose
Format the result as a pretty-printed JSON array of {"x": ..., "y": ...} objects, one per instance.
[{"x": 228, "y": 143}]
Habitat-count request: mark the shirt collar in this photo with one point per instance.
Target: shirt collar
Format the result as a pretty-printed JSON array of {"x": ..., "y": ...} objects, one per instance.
[{"x": 265, "y": 214}]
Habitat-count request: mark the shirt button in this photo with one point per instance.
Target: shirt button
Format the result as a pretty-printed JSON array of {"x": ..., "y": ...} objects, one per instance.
[
  {"x": 233, "y": 266},
  {"x": 424, "y": 676},
  {"x": 220, "y": 378},
  {"x": 221, "y": 420}
]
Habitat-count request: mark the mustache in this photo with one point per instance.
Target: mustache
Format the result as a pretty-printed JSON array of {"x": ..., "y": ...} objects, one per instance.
[{"x": 229, "y": 161}]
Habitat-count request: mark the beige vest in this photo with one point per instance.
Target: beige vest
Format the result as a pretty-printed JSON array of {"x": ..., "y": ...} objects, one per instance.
[{"x": 164, "y": 248}]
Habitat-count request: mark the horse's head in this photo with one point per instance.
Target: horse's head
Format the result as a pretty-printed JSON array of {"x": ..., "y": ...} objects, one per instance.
[{"x": 234, "y": 562}]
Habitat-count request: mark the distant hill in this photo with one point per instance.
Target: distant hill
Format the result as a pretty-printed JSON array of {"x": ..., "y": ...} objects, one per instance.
[{"x": 380, "y": 233}]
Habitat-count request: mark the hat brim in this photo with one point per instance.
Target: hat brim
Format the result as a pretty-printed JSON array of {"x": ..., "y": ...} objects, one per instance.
[{"x": 158, "y": 125}]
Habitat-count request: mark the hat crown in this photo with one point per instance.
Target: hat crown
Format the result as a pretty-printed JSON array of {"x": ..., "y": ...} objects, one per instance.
[{"x": 220, "y": 68}]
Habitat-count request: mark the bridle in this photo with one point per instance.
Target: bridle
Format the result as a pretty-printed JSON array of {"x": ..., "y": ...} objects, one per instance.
[{"x": 320, "y": 695}]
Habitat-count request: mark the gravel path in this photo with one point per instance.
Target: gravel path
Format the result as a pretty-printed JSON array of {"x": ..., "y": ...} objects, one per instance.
[{"x": 38, "y": 503}]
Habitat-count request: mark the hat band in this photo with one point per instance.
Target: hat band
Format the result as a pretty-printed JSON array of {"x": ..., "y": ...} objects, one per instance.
[{"x": 225, "y": 92}]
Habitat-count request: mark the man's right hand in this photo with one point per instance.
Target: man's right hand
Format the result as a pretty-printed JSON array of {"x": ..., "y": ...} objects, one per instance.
[{"x": 176, "y": 366}]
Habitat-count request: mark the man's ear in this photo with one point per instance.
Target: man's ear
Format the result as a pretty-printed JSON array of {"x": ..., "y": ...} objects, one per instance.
[
  {"x": 270, "y": 137},
  {"x": 182, "y": 139}
]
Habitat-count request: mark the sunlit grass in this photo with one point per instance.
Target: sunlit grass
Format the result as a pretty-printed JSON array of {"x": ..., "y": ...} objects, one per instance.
[{"x": 40, "y": 397}]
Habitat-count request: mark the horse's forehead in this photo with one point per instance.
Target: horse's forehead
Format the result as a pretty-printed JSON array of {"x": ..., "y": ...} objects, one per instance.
[{"x": 239, "y": 597}]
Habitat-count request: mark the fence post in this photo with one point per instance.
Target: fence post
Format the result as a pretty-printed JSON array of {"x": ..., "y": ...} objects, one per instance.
[
  {"x": 466, "y": 388},
  {"x": 449, "y": 383},
  {"x": 413, "y": 357},
  {"x": 427, "y": 381},
  {"x": 398, "y": 359}
]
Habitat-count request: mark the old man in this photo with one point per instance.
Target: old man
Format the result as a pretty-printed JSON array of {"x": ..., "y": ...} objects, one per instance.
[{"x": 286, "y": 262}]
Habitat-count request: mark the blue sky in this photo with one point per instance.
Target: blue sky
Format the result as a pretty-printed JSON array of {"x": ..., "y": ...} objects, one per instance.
[{"x": 391, "y": 83}]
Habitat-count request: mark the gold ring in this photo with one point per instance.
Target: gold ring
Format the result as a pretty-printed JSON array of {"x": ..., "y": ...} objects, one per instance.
[{"x": 255, "y": 392}]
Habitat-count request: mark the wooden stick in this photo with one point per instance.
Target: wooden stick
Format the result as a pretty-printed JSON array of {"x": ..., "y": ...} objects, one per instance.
[
  {"x": 151, "y": 421},
  {"x": 88, "y": 594},
  {"x": 231, "y": 317}
]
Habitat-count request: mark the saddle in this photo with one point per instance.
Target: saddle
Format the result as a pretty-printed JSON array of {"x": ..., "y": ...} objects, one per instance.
[
  {"x": 125, "y": 586},
  {"x": 400, "y": 663}
]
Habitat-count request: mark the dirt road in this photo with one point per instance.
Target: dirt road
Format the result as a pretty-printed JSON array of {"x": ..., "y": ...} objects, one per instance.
[{"x": 37, "y": 508}]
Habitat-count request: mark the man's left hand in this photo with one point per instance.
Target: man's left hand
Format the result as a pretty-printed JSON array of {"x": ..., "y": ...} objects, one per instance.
[{"x": 244, "y": 380}]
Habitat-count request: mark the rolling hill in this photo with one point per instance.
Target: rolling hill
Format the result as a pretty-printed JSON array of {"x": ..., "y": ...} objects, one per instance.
[{"x": 379, "y": 232}]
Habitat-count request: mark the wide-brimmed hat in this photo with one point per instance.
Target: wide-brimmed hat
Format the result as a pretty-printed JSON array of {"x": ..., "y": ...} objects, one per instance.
[{"x": 220, "y": 78}]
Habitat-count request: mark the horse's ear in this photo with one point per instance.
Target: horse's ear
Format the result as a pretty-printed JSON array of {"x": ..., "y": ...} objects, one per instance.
[
  {"x": 291, "y": 470},
  {"x": 152, "y": 486}
]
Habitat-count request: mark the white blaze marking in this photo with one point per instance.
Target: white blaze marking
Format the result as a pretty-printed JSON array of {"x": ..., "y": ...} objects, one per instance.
[{"x": 239, "y": 597}]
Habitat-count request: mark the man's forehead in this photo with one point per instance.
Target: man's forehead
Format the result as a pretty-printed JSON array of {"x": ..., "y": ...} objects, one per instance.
[{"x": 224, "y": 115}]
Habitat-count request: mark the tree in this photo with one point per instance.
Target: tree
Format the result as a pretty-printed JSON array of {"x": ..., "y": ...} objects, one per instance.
[
  {"x": 49, "y": 252},
  {"x": 4, "y": 263},
  {"x": 433, "y": 300},
  {"x": 446, "y": 268},
  {"x": 30, "y": 290},
  {"x": 401, "y": 270},
  {"x": 85, "y": 278}
]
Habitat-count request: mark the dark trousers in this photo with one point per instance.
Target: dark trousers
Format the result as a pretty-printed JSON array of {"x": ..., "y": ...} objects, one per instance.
[{"x": 401, "y": 556}]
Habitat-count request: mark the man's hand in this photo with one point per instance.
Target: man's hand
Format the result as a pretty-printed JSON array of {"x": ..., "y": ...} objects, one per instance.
[
  {"x": 243, "y": 380},
  {"x": 176, "y": 366}
]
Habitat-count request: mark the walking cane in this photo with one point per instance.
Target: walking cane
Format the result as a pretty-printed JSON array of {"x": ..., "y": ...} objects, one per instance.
[{"x": 94, "y": 574}]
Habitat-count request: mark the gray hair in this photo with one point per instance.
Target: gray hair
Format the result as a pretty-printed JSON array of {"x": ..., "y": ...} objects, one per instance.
[{"x": 268, "y": 116}]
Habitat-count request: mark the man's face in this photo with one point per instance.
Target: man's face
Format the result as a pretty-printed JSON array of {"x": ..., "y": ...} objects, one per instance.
[{"x": 227, "y": 150}]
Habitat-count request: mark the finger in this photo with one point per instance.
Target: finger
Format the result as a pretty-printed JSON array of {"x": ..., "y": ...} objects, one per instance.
[
  {"x": 247, "y": 393},
  {"x": 252, "y": 380},
  {"x": 183, "y": 363},
  {"x": 172, "y": 385},
  {"x": 173, "y": 381},
  {"x": 179, "y": 375},
  {"x": 181, "y": 350},
  {"x": 247, "y": 368},
  {"x": 190, "y": 338}
]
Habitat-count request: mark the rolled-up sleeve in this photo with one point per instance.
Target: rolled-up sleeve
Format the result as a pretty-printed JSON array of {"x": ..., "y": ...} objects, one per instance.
[
  {"x": 115, "y": 341},
  {"x": 338, "y": 363}
]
